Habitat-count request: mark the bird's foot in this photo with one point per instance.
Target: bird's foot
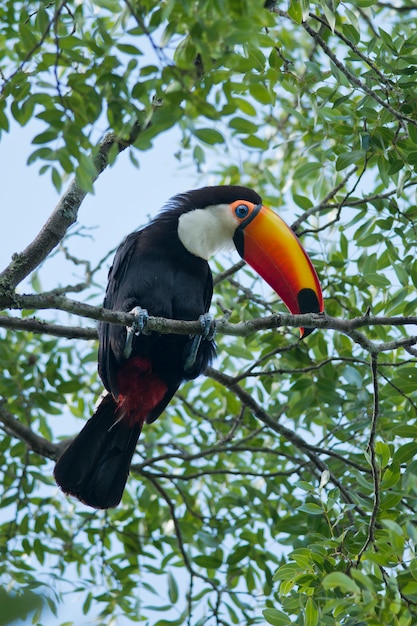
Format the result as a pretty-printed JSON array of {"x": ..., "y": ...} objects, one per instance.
[
  {"x": 137, "y": 328},
  {"x": 208, "y": 326}
]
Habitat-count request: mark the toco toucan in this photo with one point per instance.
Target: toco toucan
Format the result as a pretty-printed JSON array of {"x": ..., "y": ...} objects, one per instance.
[{"x": 162, "y": 269}]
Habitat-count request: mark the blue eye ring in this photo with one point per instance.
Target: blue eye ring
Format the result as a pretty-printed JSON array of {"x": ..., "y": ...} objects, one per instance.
[{"x": 241, "y": 211}]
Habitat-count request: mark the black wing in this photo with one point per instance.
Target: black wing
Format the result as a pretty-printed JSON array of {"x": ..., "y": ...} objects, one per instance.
[{"x": 111, "y": 337}]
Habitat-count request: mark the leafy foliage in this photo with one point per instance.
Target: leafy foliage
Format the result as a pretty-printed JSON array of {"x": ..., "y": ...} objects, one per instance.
[{"x": 281, "y": 488}]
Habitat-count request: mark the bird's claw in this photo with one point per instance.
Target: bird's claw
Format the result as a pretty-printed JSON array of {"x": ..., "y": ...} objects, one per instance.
[
  {"x": 137, "y": 328},
  {"x": 208, "y": 326}
]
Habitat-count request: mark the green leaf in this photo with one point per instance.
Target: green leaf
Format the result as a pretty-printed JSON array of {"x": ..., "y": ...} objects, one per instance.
[
  {"x": 111, "y": 5},
  {"x": 260, "y": 93},
  {"x": 255, "y": 142},
  {"x": 27, "y": 37},
  {"x": 340, "y": 580},
  {"x": 45, "y": 137},
  {"x": 287, "y": 571},
  {"x": 383, "y": 451},
  {"x": 243, "y": 126},
  {"x": 246, "y": 107},
  {"x": 129, "y": 49},
  {"x": 17, "y": 607},
  {"x": 239, "y": 553},
  {"x": 209, "y": 562},
  {"x": 404, "y": 453},
  {"x": 349, "y": 158},
  {"x": 363, "y": 579},
  {"x": 174, "y": 622},
  {"x": 275, "y": 617},
  {"x": 86, "y": 173},
  {"x": 56, "y": 179},
  {"x": 311, "y": 508},
  {"x": 87, "y": 603},
  {"x": 69, "y": 386},
  {"x": 406, "y": 431},
  {"x": 329, "y": 14},
  {"x": 305, "y": 170},
  {"x": 312, "y": 613},
  {"x": 413, "y": 568},
  {"x": 295, "y": 11},
  {"x": 390, "y": 478},
  {"x": 209, "y": 136},
  {"x": 302, "y": 201},
  {"x": 413, "y": 273},
  {"x": 377, "y": 280},
  {"x": 172, "y": 588}
]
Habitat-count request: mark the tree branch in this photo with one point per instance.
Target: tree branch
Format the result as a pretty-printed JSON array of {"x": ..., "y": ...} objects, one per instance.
[
  {"x": 182, "y": 327},
  {"x": 46, "y": 328},
  {"x": 372, "y": 458},
  {"x": 35, "y": 442}
]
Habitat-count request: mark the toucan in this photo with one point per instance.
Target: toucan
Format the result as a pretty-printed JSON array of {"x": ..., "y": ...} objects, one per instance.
[{"x": 162, "y": 270}]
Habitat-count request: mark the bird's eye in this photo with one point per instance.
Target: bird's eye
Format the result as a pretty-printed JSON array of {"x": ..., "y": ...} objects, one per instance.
[{"x": 241, "y": 211}]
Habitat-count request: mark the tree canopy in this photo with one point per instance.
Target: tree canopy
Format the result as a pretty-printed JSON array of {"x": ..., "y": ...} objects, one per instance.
[{"x": 282, "y": 487}]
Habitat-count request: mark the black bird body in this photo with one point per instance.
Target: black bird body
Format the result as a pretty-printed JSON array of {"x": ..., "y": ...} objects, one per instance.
[
  {"x": 154, "y": 270},
  {"x": 169, "y": 282}
]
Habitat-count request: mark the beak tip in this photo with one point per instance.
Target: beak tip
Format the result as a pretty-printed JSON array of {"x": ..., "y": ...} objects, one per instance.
[
  {"x": 309, "y": 302},
  {"x": 305, "y": 332}
]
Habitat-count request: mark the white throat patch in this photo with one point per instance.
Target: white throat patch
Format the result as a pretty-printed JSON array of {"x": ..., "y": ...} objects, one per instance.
[{"x": 204, "y": 232}]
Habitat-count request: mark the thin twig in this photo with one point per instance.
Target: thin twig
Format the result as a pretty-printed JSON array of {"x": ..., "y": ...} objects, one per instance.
[
  {"x": 386, "y": 81},
  {"x": 372, "y": 458},
  {"x": 178, "y": 531},
  {"x": 324, "y": 203}
]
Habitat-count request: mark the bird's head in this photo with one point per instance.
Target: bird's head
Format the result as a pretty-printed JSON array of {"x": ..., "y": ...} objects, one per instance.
[{"x": 215, "y": 218}]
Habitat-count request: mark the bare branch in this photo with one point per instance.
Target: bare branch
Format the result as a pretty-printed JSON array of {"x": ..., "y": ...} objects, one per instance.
[
  {"x": 64, "y": 215},
  {"x": 394, "y": 7},
  {"x": 182, "y": 327},
  {"x": 229, "y": 272},
  {"x": 45, "y": 328},
  {"x": 35, "y": 442}
]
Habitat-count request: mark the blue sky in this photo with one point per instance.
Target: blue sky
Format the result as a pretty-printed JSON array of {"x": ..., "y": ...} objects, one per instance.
[{"x": 124, "y": 195}]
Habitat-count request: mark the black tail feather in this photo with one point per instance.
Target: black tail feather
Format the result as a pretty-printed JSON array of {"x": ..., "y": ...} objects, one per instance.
[{"x": 95, "y": 466}]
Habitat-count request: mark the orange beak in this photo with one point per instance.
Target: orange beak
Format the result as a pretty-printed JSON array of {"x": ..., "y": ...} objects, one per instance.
[{"x": 268, "y": 245}]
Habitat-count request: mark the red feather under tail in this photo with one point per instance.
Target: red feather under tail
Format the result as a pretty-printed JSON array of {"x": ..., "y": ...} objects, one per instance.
[{"x": 140, "y": 391}]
